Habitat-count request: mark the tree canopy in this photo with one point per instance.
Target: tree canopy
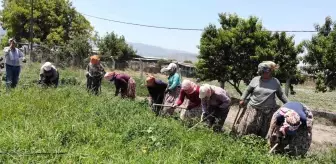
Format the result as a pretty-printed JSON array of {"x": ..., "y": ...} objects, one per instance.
[
  {"x": 321, "y": 55},
  {"x": 232, "y": 52},
  {"x": 112, "y": 45},
  {"x": 55, "y": 21}
]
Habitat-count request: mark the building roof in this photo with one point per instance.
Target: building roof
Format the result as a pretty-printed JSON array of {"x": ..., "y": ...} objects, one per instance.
[
  {"x": 148, "y": 58},
  {"x": 186, "y": 64}
]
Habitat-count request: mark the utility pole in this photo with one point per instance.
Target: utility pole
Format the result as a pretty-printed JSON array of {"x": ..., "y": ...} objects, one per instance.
[{"x": 31, "y": 27}]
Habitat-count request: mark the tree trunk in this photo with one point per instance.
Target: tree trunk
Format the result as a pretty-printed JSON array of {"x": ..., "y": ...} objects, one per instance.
[
  {"x": 222, "y": 84},
  {"x": 236, "y": 86},
  {"x": 287, "y": 86},
  {"x": 73, "y": 61},
  {"x": 237, "y": 89}
]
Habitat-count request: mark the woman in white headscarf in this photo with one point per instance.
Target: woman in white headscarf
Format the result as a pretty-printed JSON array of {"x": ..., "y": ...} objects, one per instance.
[
  {"x": 215, "y": 105},
  {"x": 173, "y": 89},
  {"x": 49, "y": 75},
  {"x": 261, "y": 106}
]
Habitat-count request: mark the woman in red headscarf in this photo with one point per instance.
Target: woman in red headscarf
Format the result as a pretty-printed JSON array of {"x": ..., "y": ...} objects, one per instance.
[
  {"x": 123, "y": 83},
  {"x": 189, "y": 90}
]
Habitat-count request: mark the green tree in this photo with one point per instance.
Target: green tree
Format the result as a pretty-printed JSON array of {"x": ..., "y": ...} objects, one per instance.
[
  {"x": 321, "y": 55},
  {"x": 80, "y": 49},
  {"x": 56, "y": 22},
  {"x": 111, "y": 45},
  {"x": 188, "y": 61},
  {"x": 285, "y": 53},
  {"x": 230, "y": 53}
]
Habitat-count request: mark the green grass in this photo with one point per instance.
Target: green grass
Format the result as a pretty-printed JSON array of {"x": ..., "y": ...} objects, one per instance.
[
  {"x": 107, "y": 129},
  {"x": 304, "y": 93}
]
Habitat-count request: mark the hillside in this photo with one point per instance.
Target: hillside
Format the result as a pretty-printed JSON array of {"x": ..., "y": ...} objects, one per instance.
[
  {"x": 154, "y": 51},
  {"x": 66, "y": 125}
]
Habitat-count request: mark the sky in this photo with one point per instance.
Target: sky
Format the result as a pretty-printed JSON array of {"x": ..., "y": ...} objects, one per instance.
[{"x": 275, "y": 15}]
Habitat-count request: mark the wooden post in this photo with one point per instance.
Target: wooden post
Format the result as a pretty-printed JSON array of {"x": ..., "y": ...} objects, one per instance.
[
  {"x": 141, "y": 69},
  {"x": 179, "y": 71},
  {"x": 287, "y": 87},
  {"x": 113, "y": 63}
]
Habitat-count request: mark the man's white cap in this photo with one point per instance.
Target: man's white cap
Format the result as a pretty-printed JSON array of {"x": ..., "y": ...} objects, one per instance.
[
  {"x": 204, "y": 91},
  {"x": 47, "y": 66},
  {"x": 11, "y": 39}
]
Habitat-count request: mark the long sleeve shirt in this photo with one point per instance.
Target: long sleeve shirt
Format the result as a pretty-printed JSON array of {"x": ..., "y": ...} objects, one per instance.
[
  {"x": 193, "y": 98},
  {"x": 13, "y": 57},
  {"x": 298, "y": 108},
  {"x": 95, "y": 70},
  {"x": 219, "y": 98},
  {"x": 263, "y": 93},
  {"x": 174, "y": 81},
  {"x": 120, "y": 82},
  {"x": 156, "y": 92},
  {"x": 51, "y": 75}
]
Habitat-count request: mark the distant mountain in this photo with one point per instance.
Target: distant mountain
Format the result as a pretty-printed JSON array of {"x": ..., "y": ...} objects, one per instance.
[{"x": 146, "y": 50}]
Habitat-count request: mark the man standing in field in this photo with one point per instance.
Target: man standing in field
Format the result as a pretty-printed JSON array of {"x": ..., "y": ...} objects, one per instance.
[{"x": 13, "y": 58}]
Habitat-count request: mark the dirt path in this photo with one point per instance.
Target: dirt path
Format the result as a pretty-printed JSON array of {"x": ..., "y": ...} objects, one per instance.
[{"x": 323, "y": 136}]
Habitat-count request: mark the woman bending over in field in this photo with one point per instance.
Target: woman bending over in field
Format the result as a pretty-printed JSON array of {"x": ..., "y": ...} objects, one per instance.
[
  {"x": 156, "y": 89},
  {"x": 49, "y": 75},
  {"x": 123, "y": 83},
  {"x": 291, "y": 125},
  {"x": 215, "y": 106},
  {"x": 189, "y": 90},
  {"x": 173, "y": 89},
  {"x": 262, "y": 89}
]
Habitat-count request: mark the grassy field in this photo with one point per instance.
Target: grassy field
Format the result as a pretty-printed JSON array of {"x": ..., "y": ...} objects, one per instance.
[
  {"x": 35, "y": 124},
  {"x": 304, "y": 93}
]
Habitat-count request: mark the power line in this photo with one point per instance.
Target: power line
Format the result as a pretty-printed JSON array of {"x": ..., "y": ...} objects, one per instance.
[
  {"x": 184, "y": 29},
  {"x": 143, "y": 25}
]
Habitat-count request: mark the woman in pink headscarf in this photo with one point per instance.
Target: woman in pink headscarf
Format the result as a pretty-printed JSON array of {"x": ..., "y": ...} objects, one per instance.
[
  {"x": 190, "y": 90},
  {"x": 123, "y": 83}
]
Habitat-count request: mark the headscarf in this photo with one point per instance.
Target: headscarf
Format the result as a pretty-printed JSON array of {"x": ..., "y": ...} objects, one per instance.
[
  {"x": 205, "y": 91},
  {"x": 171, "y": 67},
  {"x": 109, "y": 75},
  {"x": 150, "y": 80},
  {"x": 189, "y": 86},
  {"x": 94, "y": 59},
  {"x": 292, "y": 121},
  {"x": 267, "y": 66},
  {"x": 47, "y": 66}
]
